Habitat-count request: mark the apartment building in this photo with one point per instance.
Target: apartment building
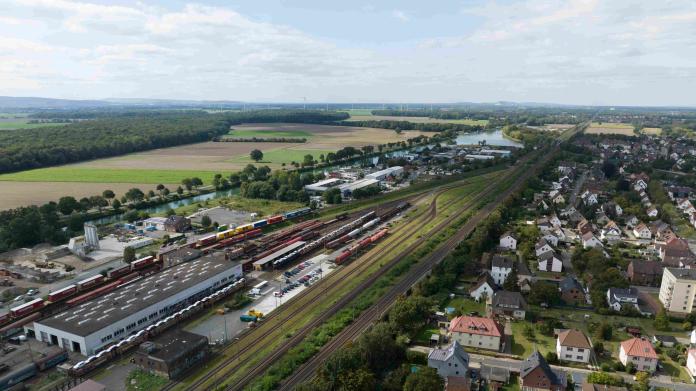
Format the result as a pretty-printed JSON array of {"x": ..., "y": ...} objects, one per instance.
[{"x": 678, "y": 289}]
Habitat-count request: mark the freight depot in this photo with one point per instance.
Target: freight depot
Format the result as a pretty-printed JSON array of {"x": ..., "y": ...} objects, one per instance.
[{"x": 114, "y": 316}]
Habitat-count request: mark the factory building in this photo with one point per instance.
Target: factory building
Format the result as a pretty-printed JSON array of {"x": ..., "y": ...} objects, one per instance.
[
  {"x": 386, "y": 173},
  {"x": 348, "y": 188},
  {"x": 106, "y": 319},
  {"x": 323, "y": 185}
]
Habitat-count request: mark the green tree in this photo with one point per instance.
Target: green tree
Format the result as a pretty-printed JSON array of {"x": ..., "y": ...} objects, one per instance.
[
  {"x": 109, "y": 195},
  {"x": 128, "y": 254},
  {"x": 188, "y": 183},
  {"x": 426, "y": 379},
  {"x": 205, "y": 221},
  {"x": 510, "y": 283},
  {"x": 308, "y": 160},
  {"x": 604, "y": 331},
  {"x": 67, "y": 204},
  {"x": 116, "y": 204},
  {"x": 642, "y": 382},
  {"x": 662, "y": 321},
  {"x": 256, "y": 155},
  {"x": 135, "y": 194},
  {"x": 410, "y": 313},
  {"x": 196, "y": 182}
]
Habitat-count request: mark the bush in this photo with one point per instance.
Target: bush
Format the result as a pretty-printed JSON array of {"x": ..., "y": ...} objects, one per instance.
[
  {"x": 551, "y": 358},
  {"x": 606, "y": 368},
  {"x": 630, "y": 368},
  {"x": 417, "y": 358}
]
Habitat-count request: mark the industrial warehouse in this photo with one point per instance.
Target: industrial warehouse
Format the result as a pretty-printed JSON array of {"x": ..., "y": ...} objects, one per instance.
[{"x": 106, "y": 319}]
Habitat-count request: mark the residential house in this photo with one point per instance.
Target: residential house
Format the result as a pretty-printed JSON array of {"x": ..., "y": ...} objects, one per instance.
[
  {"x": 589, "y": 198},
  {"x": 640, "y": 185},
  {"x": 678, "y": 289},
  {"x": 555, "y": 221},
  {"x": 620, "y": 297},
  {"x": 584, "y": 226},
  {"x": 501, "y": 267},
  {"x": 676, "y": 192},
  {"x": 691, "y": 362},
  {"x": 537, "y": 375},
  {"x": 652, "y": 211},
  {"x": 632, "y": 221},
  {"x": 572, "y": 292},
  {"x": 558, "y": 199},
  {"x": 551, "y": 238},
  {"x": 483, "y": 288},
  {"x": 641, "y": 231},
  {"x": 676, "y": 253},
  {"x": 550, "y": 261},
  {"x": 667, "y": 341},
  {"x": 611, "y": 232},
  {"x": 476, "y": 332},
  {"x": 601, "y": 387},
  {"x": 542, "y": 246},
  {"x": 644, "y": 272},
  {"x": 640, "y": 352},
  {"x": 450, "y": 361},
  {"x": 590, "y": 241},
  {"x": 684, "y": 204},
  {"x": 572, "y": 345},
  {"x": 544, "y": 224},
  {"x": 508, "y": 241},
  {"x": 504, "y": 303}
]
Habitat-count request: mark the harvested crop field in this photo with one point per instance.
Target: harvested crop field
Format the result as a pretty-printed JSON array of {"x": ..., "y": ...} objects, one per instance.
[
  {"x": 15, "y": 194},
  {"x": 423, "y": 120},
  {"x": 171, "y": 165},
  {"x": 652, "y": 131},
  {"x": 610, "y": 128}
]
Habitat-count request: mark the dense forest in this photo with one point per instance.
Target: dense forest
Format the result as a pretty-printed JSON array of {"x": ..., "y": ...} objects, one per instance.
[
  {"x": 406, "y": 125},
  {"x": 125, "y": 133}
]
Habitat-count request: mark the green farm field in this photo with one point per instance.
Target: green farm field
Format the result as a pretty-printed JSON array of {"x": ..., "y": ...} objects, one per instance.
[
  {"x": 21, "y": 124},
  {"x": 283, "y": 155},
  {"x": 106, "y": 175}
]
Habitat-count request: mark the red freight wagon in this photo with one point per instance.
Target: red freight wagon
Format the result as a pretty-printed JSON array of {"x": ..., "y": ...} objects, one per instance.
[
  {"x": 121, "y": 271},
  {"x": 27, "y": 308},
  {"x": 62, "y": 293},
  {"x": 275, "y": 219},
  {"x": 90, "y": 282},
  {"x": 142, "y": 262},
  {"x": 210, "y": 239},
  {"x": 90, "y": 295},
  {"x": 253, "y": 233},
  {"x": 4, "y": 317},
  {"x": 341, "y": 258}
]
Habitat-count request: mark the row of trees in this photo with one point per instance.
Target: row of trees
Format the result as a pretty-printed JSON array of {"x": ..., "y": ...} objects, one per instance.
[{"x": 116, "y": 135}]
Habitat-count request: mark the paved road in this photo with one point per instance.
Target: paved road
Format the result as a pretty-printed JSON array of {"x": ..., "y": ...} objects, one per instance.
[
  {"x": 576, "y": 189},
  {"x": 577, "y": 374}
]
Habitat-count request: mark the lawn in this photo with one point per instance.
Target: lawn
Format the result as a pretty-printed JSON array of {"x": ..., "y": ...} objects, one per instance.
[
  {"x": 248, "y": 133},
  {"x": 106, "y": 175},
  {"x": 139, "y": 380},
  {"x": 281, "y": 155},
  {"x": 467, "y": 305},
  {"x": 23, "y": 124}
]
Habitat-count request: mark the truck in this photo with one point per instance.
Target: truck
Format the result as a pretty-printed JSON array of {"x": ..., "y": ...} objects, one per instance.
[{"x": 248, "y": 318}]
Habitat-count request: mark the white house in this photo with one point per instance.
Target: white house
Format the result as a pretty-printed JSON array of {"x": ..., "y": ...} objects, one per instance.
[
  {"x": 508, "y": 241},
  {"x": 651, "y": 212},
  {"x": 639, "y": 185},
  {"x": 640, "y": 352},
  {"x": 555, "y": 221},
  {"x": 551, "y": 238},
  {"x": 691, "y": 362},
  {"x": 501, "y": 266},
  {"x": 541, "y": 247},
  {"x": 641, "y": 231},
  {"x": 484, "y": 288},
  {"x": 611, "y": 232},
  {"x": 573, "y": 345},
  {"x": 451, "y": 361},
  {"x": 558, "y": 199},
  {"x": 550, "y": 261},
  {"x": 619, "y": 297},
  {"x": 590, "y": 241},
  {"x": 589, "y": 198},
  {"x": 632, "y": 221}
]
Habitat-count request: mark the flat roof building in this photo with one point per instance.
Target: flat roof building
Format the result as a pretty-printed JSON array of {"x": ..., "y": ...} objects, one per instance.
[
  {"x": 90, "y": 326},
  {"x": 678, "y": 289},
  {"x": 172, "y": 353},
  {"x": 323, "y": 185},
  {"x": 384, "y": 174},
  {"x": 348, "y": 188},
  {"x": 267, "y": 260}
]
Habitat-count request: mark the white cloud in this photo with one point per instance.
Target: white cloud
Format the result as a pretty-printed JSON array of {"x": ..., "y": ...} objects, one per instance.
[{"x": 401, "y": 15}]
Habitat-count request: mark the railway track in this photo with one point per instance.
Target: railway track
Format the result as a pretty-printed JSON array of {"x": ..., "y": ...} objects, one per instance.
[
  {"x": 310, "y": 295},
  {"x": 378, "y": 309},
  {"x": 298, "y": 337}
]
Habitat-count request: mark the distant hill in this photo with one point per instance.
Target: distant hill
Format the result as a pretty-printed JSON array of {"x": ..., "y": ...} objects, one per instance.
[{"x": 11, "y": 102}]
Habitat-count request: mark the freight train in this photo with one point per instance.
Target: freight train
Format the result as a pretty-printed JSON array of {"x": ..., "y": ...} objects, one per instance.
[
  {"x": 251, "y": 227},
  {"x": 30, "y": 370},
  {"x": 135, "y": 339},
  {"x": 71, "y": 293},
  {"x": 342, "y": 257}
]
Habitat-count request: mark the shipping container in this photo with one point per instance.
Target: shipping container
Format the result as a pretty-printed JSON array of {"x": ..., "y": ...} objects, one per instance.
[
  {"x": 62, "y": 293},
  {"x": 121, "y": 271},
  {"x": 27, "y": 308},
  {"x": 259, "y": 224},
  {"x": 247, "y": 318},
  {"x": 90, "y": 282},
  {"x": 143, "y": 262},
  {"x": 244, "y": 228},
  {"x": 342, "y": 257}
]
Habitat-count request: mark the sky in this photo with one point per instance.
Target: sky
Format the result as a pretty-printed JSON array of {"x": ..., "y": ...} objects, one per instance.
[{"x": 616, "y": 52}]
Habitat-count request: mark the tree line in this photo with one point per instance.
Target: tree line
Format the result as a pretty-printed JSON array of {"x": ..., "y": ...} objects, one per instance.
[
  {"x": 120, "y": 134},
  {"x": 407, "y": 125}
]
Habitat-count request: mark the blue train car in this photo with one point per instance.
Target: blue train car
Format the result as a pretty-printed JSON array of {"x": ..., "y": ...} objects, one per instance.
[
  {"x": 260, "y": 223},
  {"x": 17, "y": 376},
  {"x": 52, "y": 361},
  {"x": 297, "y": 213}
]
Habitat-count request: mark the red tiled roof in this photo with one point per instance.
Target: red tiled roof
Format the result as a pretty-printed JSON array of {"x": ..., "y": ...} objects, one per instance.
[
  {"x": 638, "y": 347},
  {"x": 475, "y": 325}
]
